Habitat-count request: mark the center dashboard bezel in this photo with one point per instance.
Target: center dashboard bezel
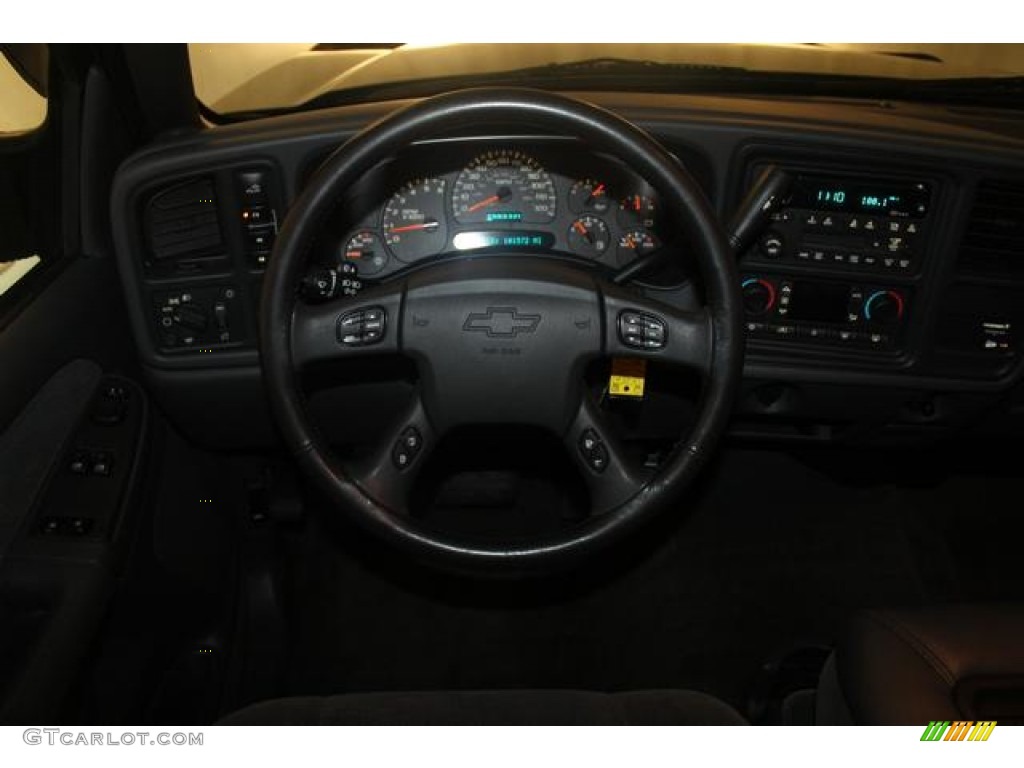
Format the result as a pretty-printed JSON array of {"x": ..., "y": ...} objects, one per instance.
[{"x": 838, "y": 162}]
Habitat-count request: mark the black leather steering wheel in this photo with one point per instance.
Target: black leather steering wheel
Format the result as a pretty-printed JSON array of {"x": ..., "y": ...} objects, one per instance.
[{"x": 500, "y": 340}]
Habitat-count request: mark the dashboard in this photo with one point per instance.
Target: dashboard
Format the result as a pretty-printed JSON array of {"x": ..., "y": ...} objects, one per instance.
[
  {"x": 886, "y": 290},
  {"x": 546, "y": 196}
]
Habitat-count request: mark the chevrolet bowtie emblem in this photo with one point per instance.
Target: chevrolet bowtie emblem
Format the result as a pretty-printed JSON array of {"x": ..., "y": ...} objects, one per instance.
[{"x": 501, "y": 322}]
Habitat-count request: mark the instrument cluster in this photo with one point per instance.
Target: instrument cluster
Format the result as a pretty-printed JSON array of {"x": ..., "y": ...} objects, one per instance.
[{"x": 471, "y": 197}]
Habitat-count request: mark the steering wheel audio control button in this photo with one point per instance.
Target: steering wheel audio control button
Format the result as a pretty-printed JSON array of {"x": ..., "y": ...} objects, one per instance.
[
  {"x": 362, "y": 327},
  {"x": 593, "y": 450},
  {"x": 641, "y": 330},
  {"x": 406, "y": 447}
]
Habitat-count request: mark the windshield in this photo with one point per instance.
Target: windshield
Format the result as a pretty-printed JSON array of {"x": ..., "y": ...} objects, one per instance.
[{"x": 243, "y": 78}]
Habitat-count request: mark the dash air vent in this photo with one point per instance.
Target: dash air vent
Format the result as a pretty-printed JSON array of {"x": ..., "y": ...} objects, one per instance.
[
  {"x": 994, "y": 242},
  {"x": 181, "y": 222}
]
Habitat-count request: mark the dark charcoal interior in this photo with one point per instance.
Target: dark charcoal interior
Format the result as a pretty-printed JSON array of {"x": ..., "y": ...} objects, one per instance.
[{"x": 166, "y": 559}]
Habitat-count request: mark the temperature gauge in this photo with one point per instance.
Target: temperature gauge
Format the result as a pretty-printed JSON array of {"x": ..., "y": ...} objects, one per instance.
[{"x": 366, "y": 251}]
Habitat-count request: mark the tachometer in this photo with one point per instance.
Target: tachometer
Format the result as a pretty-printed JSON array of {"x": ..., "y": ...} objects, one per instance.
[
  {"x": 503, "y": 186},
  {"x": 414, "y": 221}
]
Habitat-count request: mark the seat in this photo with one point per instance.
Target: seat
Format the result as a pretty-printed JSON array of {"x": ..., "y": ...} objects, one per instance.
[
  {"x": 515, "y": 707},
  {"x": 909, "y": 667}
]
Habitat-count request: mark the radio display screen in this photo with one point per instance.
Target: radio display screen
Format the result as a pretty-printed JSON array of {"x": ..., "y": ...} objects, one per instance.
[
  {"x": 861, "y": 196},
  {"x": 819, "y": 302}
]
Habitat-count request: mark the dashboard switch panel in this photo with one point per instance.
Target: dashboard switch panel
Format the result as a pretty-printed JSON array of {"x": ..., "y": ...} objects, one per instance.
[
  {"x": 199, "y": 317},
  {"x": 257, "y": 214}
]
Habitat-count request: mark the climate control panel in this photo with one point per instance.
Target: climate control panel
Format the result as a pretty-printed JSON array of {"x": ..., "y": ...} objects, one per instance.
[{"x": 824, "y": 312}]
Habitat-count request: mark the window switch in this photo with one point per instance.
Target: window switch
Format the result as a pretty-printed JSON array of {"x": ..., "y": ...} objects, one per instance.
[
  {"x": 102, "y": 464},
  {"x": 80, "y": 463}
]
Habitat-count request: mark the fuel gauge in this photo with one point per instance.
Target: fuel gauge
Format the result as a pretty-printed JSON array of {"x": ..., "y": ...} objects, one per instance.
[
  {"x": 588, "y": 236},
  {"x": 366, "y": 251}
]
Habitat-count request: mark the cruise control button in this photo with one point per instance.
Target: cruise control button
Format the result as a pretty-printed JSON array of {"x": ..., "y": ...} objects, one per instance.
[
  {"x": 598, "y": 459},
  {"x": 593, "y": 450},
  {"x": 406, "y": 448}
]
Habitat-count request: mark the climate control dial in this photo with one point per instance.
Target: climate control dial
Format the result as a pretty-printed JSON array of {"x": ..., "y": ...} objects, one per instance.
[
  {"x": 759, "y": 296},
  {"x": 884, "y": 307}
]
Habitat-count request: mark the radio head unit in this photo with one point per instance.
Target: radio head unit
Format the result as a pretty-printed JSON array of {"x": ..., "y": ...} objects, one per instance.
[{"x": 849, "y": 222}]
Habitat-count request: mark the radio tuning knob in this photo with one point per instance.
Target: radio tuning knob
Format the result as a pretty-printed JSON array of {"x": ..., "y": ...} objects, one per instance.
[
  {"x": 758, "y": 296},
  {"x": 884, "y": 307}
]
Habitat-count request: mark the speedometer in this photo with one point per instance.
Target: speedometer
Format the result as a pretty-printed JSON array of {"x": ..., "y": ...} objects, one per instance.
[{"x": 503, "y": 186}]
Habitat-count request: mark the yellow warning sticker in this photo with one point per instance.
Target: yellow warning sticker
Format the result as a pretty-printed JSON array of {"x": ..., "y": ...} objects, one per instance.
[{"x": 627, "y": 379}]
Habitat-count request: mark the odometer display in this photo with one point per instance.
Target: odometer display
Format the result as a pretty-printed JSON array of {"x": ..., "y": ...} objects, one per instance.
[{"x": 503, "y": 186}]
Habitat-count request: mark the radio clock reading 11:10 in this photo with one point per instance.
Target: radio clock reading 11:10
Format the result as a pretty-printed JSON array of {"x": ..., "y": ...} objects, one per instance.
[{"x": 836, "y": 197}]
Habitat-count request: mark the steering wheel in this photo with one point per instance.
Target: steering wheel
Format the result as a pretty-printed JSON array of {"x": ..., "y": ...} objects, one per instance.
[{"x": 501, "y": 340}]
